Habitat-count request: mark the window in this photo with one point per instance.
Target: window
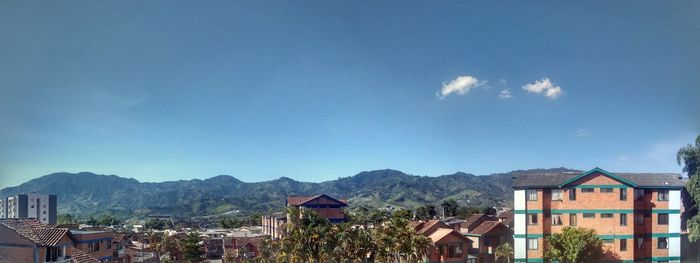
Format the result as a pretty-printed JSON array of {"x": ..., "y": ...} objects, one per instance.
[
  {"x": 454, "y": 250},
  {"x": 572, "y": 194},
  {"x": 94, "y": 247},
  {"x": 640, "y": 242},
  {"x": 556, "y": 220},
  {"x": 623, "y": 244},
  {"x": 587, "y": 190},
  {"x": 623, "y": 219},
  {"x": 44, "y": 212},
  {"x": 662, "y": 243},
  {"x": 109, "y": 245},
  {"x": 32, "y": 206},
  {"x": 532, "y": 195},
  {"x": 532, "y": 219},
  {"x": 663, "y": 195},
  {"x": 572, "y": 219},
  {"x": 588, "y": 215},
  {"x": 606, "y": 190},
  {"x": 556, "y": 195},
  {"x": 663, "y": 219},
  {"x": 607, "y": 216},
  {"x": 623, "y": 194},
  {"x": 638, "y": 219},
  {"x": 638, "y": 194},
  {"x": 532, "y": 243}
]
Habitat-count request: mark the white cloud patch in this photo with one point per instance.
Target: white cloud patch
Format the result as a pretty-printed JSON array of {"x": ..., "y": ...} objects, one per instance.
[
  {"x": 460, "y": 86},
  {"x": 582, "y": 133},
  {"x": 544, "y": 86},
  {"x": 505, "y": 94}
]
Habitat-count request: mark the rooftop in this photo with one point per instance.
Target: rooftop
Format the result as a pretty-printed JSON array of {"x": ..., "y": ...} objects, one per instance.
[
  {"x": 32, "y": 229},
  {"x": 557, "y": 180}
]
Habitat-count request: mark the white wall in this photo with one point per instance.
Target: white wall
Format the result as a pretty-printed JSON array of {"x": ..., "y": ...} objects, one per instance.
[
  {"x": 674, "y": 246},
  {"x": 519, "y": 200},
  {"x": 674, "y": 198},
  {"x": 674, "y": 223},
  {"x": 520, "y": 247}
]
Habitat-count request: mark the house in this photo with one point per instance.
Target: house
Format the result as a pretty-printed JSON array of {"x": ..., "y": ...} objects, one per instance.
[
  {"x": 487, "y": 237},
  {"x": 453, "y": 222},
  {"x": 449, "y": 246},
  {"x": 97, "y": 243},
  {"x": 475, "y": 220},
  {"x": 119, "y": 245},
  {"x": 322, "y": 204},
  {"x": 638, "y": 215},
  {"x": 28, "y": 240},
  {"x": 243, "y": 248},
  {"x": 38, "y": 206},
  {"x": 214, "y": 247},
  {"x": 506, "y": 217}
]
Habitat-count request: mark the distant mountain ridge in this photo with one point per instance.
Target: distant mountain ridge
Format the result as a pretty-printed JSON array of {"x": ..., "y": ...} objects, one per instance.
[{"x": 87, "y": 193}]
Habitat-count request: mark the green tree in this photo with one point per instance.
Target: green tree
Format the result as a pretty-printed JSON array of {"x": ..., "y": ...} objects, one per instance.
[
  {"x": 450, "y": 207},
  {"x": 191, "y": 250},
  {"x": 574, "y": 245},
  {"x": 66, "y": 219},
  {"x": 465, "y": 212},
  {"x": 426, "y": 212},
  {"x": 505, "y": 250},
  {"x": 155, "y": 224},
  {"x": 689, "y": 157}
]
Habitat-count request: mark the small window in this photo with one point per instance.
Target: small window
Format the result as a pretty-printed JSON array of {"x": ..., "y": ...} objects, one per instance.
[
  {"x": 43, "y": 212},
  {"x": 556, "y": 195},
  {"x": 663, "y": 195},
  {"x": 638, "y": 219},
  {"x": 532, "y": 195},
  {"x": 662, "y": 243},
  {"x": 640, "y": 242},
  {"x": 662, "y": 219},
  {"x": 638, "y": 194},
  {"x": 607, "y": 216},
  {"x": 588, "y": 215},
  {"x": 532, "y": 243},
  {"x": 623, "y": 244},
  {"x": 532, "y": 219},
  {"x": 32, "y": 206},
  {"x": 606, "y": 190},
  {"x": 587, "y": 190},
  {"x": 572, "y": 219},
  {"x": 623, "y": 219},
  {"x": 572, "y": 194},
  {"x": 623, "y": 194},
  {"x": 557, "y": 220}
]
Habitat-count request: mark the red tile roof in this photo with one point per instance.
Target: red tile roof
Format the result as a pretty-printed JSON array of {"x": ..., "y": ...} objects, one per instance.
[
  {"x": 485, "y": 227},
  {"x": 430, "y": 225},
  {"x": 443, "y": 232},
  {"x": 79, "y": 256},
  {"x": 35, "y": 231}
]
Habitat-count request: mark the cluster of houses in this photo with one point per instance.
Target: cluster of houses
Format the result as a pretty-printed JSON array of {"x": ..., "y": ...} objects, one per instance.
[{"x": 637, "y": 215}]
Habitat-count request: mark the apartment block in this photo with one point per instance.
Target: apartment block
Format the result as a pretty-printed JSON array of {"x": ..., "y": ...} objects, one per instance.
[
  {"x": 39, "y": 206},
  {"x": 637, "y": 215}
]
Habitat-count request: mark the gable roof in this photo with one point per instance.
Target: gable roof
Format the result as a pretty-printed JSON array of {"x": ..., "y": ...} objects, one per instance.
[
  {"x": 560, "y": 179},
  {"x": 300, "y": 200},
  {"x": 430, "y": 225},
  {"x": 79, "y": 256},
  {"x": 35, "y": 231},
  {"x": 476, "y": 217},
  {"x": 486, "y": 227},
  {"x": 443, "y": 232}
]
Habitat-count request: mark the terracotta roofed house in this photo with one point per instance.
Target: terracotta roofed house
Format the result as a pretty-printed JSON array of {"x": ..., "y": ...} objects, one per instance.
[
  {"x": 487, "y": 237},
  {"x": 638, "y": 215},
  {"x": 28, "y": 240}
]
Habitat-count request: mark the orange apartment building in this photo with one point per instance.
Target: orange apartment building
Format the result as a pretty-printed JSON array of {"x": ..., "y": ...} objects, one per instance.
[{"x": 637, "y": 215}]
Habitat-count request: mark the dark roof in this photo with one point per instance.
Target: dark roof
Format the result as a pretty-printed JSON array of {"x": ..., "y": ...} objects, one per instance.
[
  {"x": 475, "y": 218},
  {"x": 35, "y": 231},
  {"x": 300, "y": 200},
  {"x": 556, "y": 180}
]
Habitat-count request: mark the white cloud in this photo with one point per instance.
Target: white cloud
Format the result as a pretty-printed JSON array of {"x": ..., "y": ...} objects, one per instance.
[
  {"x": 461, "y": 86},
  {"x": 505, "y": 94},
  {"x": 544, "y": 85},
  {"x": 582, "y": 133}
]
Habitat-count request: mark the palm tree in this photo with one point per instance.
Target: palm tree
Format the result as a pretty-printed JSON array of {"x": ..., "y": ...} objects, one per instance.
[{"x": 505, "y": 250}]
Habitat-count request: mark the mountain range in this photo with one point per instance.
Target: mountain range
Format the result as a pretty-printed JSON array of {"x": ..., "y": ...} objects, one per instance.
[{"x": 88, "y": 193}]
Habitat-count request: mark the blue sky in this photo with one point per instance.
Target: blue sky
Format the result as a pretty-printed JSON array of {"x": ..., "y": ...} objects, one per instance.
[{"x": 316, "y": 90}]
